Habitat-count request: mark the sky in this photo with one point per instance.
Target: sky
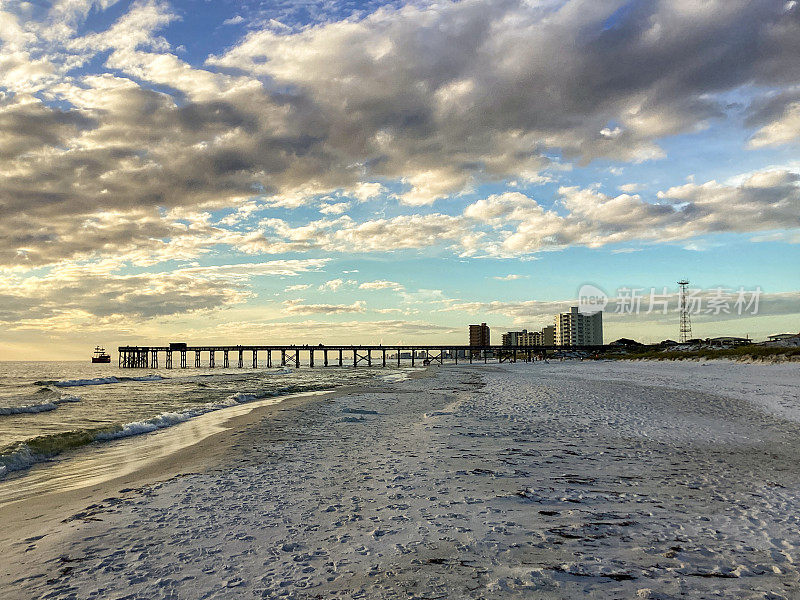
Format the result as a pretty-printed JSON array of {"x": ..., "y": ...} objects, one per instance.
[{"x": 240, "y": 171}]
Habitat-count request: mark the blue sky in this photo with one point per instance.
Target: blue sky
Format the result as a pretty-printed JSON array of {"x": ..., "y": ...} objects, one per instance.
[{"x": 389, "y": 172}]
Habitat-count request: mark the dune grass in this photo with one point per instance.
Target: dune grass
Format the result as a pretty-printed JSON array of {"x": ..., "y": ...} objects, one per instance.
[{"x": 738, "y": 353}]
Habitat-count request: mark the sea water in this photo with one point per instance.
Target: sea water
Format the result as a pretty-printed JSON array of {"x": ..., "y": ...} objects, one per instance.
[{"x": 51, "y": 410}]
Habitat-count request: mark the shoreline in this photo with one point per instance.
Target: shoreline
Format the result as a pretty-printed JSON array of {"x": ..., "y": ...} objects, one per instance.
[
  {"x": 34, "y": 515},
  {"x": 553, "y": 481}
]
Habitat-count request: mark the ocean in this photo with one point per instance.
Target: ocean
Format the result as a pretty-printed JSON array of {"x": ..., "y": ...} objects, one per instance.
[{"x": 53, "y": 413}]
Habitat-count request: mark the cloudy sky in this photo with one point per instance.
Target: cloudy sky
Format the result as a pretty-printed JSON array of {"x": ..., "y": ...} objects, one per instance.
[{"x": 316, "y": 171}]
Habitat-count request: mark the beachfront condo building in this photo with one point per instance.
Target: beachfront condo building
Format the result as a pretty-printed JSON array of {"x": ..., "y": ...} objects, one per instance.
[
  {"x": 529, "y": 338},
  {"x": 479, "y": 335},
  {"x": 577, "y": 329},
  {"x": 545, "y": 337},
  {"x": 512, "y": 338}
]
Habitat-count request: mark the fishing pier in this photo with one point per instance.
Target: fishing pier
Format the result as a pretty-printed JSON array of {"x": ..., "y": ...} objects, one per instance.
[{"x": 149, "y": 357}]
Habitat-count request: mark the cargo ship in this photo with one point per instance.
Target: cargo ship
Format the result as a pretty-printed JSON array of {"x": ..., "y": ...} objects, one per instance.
[{"x": 100, "y": 355}]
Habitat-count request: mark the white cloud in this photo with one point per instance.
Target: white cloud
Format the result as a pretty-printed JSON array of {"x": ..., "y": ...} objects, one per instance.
[
  {"x": 285, "y": 268},
  {"x": 765, "y": 200},
  {"x": 296, "y": 307},
  {"x": 365, "y": 191},
  {"x": 510, "y": 277},
  {"x": 380, "y": 284},
  {"x": 336, "y": 208},
  {"x": 96, "y": 293},
  {"x": 429, "y": 186},
  {"x": 783, "y": 130},
  {"x": 332, "y": 285},
  {"x": 346, "y": 235},
  {"x": 443, "y": 97}
]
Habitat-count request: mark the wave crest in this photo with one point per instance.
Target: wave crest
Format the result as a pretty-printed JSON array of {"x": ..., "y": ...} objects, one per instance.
[
  {"x": 39, "y": 407},
  {"x": 98, "y": 381},
  {"x": 22, "y": 455}
]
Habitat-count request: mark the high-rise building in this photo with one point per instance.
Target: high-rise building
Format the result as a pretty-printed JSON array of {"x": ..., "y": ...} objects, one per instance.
[
  {"x": 525, "y": 338},
  {"x": 512, "y": 338},
  {"x": 576, "y": 329},
  {"x": 479, "y": 335}
]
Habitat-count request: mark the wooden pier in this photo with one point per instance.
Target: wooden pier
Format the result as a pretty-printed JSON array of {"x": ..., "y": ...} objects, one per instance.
[{"x": 149, "y": 357}]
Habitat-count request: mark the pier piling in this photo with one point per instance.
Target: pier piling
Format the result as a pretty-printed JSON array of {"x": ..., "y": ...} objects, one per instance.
[{"x": 143, "y": 357}]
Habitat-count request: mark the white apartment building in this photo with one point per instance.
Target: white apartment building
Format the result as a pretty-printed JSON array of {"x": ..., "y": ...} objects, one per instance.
[{"x": 576, "y": 329}]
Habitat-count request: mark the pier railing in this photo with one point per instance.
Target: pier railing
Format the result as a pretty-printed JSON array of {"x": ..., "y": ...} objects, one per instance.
[{"x": 145, "y": 357}]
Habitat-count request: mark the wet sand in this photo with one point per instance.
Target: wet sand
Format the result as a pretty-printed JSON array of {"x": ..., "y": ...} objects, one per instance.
[{"x": 29, "y": 507}]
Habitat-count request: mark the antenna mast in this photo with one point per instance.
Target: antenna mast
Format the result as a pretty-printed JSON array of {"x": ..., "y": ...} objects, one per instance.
[{"x": 685, "y": 331}]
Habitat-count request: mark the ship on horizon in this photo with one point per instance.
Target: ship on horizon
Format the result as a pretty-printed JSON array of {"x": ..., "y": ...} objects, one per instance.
[{"x": 100, "y": 355}]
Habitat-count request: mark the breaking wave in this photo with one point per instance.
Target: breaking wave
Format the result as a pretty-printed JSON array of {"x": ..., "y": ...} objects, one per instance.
[
  {"x": 97, "y": 381},
  {"x": 23, "y": 455},
  {"x": 38, "y": 407}
]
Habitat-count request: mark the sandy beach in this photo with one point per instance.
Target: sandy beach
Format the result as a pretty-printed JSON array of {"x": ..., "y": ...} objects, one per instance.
[{"x": 560, "y": 480}]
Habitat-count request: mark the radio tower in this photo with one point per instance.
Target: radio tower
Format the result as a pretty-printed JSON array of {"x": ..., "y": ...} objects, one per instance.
[{"x": 685, "y": 333}]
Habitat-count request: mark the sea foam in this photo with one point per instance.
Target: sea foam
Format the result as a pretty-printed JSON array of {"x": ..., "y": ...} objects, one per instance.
[
  {"x": 36, "y": 408},
  {"x": 99, "y": 381},
  {"x": 23, "y": 455}
]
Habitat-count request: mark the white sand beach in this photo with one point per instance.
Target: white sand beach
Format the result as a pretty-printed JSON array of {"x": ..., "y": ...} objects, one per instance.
[{"x": 561, "y": 480}]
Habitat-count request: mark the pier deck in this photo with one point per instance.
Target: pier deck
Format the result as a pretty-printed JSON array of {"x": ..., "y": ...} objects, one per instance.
[{"x": 131, "y": 357}]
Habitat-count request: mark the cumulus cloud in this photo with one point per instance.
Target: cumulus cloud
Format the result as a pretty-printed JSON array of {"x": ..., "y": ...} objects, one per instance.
[
  {"x": 97, "y": 293},
  {"x": 785, "y": 128},
  {"x": 439, "y": 97},
  {"x": 113, "y": 145},
  {"x": 334, "y": 284},
  {"x": 366, "y": 190},
  {"x": 344, "y": 234},
  {"x": 585, "y": 216},
  {"x": 472, "y": 89},
  {"x": 335, "y": 208},
  {"x": 510, "y": 277}
]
